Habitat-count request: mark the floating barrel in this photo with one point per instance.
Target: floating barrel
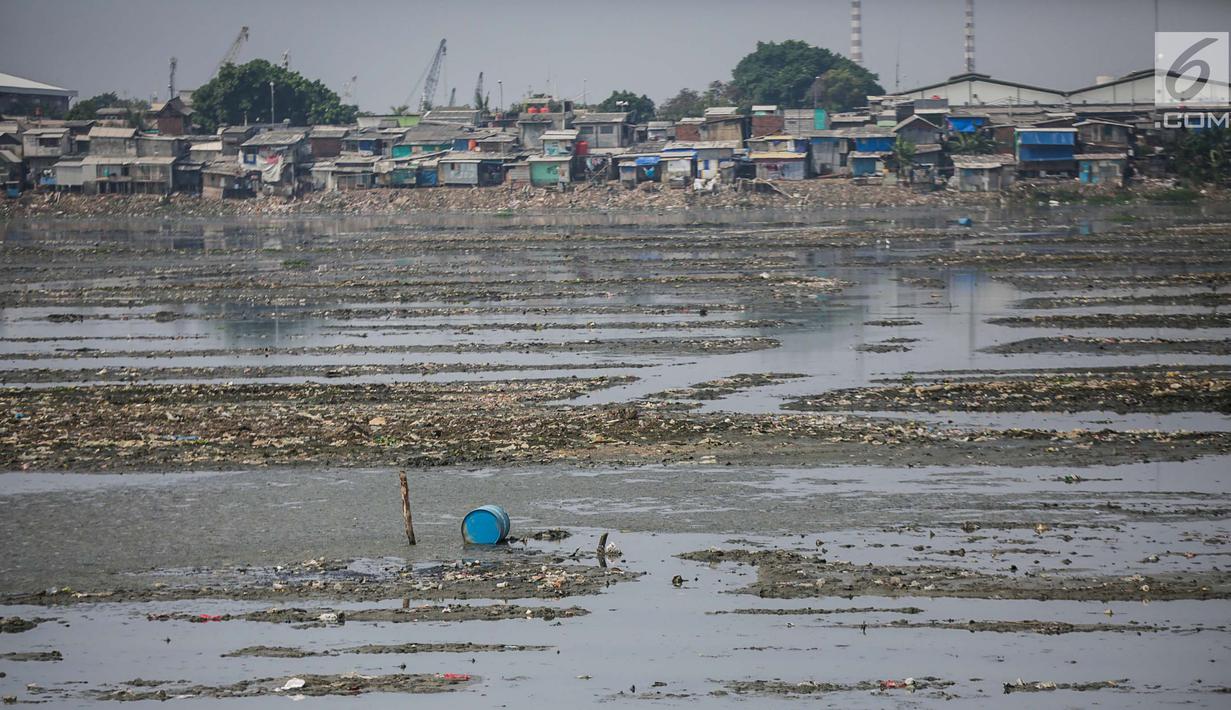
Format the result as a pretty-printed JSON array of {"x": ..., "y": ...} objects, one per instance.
[{"x": 486, "y": 525}]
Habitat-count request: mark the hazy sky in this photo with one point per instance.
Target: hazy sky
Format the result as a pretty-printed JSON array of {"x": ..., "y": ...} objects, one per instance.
[{"x": 650, "y": 46}]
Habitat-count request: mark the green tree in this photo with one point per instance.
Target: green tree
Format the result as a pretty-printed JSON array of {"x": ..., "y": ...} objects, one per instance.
[
  {"x": 972, "y": 144},
  {"x": 642, "y": 107},
  {"x": 87, "y": 109},
  {"x": 1205, "y": 156},
  {"x": 242, "y": 92},
  {"x": 903, "y": 154},
  {"x": 690, "y": 102},
  {"x": 786, "y": 74}
]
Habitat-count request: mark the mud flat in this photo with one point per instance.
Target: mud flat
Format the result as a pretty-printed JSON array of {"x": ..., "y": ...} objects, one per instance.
[
  {"x": 1123, "y": 392},
  {"x": 790, "y": 575},
  {"x": 1186, "y": 321},
  {"x": 1111, "y": 346},
  {"x": 138, "y": 427},
  {"x": 312, "y": 685}
]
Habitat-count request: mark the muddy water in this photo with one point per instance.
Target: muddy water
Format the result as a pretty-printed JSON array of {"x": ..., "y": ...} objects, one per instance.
[{"x": 219, "y": 301}]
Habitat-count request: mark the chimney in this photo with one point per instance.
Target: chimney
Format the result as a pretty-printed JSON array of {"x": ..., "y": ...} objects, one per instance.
[
  {"x": 970, "y": 36},
  {"x": 856, "y": 33}
]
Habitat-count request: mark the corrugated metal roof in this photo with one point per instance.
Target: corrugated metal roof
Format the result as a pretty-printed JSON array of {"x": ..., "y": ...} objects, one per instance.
[
  {"x": 566, "y": 134},
  {"x": 212, "y": 145},
  {"x": 58, "y": 131},
  {"x": 11, "y": 84},
  {"x": 275, "y": 138},
  {"x": 701, "y": 145},
  {"x": 722, "y": 111},
  {"x": 328, "y": 131},
  {"x": 781, "y": 155},
  {"x": 1101, "y": 156},
  {"x": 610, "y": 117},
  {"x": 981, "y": 161}
]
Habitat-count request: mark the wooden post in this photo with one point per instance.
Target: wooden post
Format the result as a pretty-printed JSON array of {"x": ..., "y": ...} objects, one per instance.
[
  {"x": 601, "y": 553},
  {"x": 410, "y": 526}
]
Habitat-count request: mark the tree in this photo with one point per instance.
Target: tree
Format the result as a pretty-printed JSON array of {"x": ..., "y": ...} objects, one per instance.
[
  {"x": 1205, "y": 156},
  {"x": 641, "y": 107},
  {"x": 87, "y": 109},
  {"x": 690, "y": 102},
  {"x": 972, "y": 144},
  {"x": 903, "y": 154},
  {"x": 240, "y": 93},
  {"x": 786, "y": 74}
]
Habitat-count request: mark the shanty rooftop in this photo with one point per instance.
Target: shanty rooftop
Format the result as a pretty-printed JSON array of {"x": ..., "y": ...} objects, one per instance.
[{"x": 275, "y": 138}]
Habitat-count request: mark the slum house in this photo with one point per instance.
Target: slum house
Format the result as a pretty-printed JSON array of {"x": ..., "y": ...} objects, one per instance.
[
  {"x": 916, "y": 129},
  {"x": 849, "y": 119},
  {"x": 114, "y": 116},
  {"x": 689, "y": 128},
  {"x": 532, "y": 124},
  {"x": 1104, "y": 135},
  {"x": 659, "y": 131},
  {"x": 714, "y": 159},
  {"x": 427, "y": 171},
  {"x": 127, "y": 175},
  {"x": 224, "y": 179},
  {"x": 42, "y": 148},
  {"x": 348, "y": 171},
  {"x": 170, "y": 118},
  {"x": 829, "y": 150},
  {"x": 471, "y": 169},
  {"x": 273, "y": 158},
  {"x": 112, "y": 141},
  {"x": 69, "y": 174},
  {"x": 1102, "y": 168},
  {"x": 396, "y": 172},
  {"x": 373, "y": 141},
  {"x": 873, "y": 149},
  {"x": 637, "y": 167},
  {"x": 766, "y": 120},
  {"x": 205, "y": 151},
  {"x": 550, "y": 170},
  {"x": 803, "y": 121},
  {"x": 981, "y": 173},
  {"x": 427, "y": 138},
  {"x": 780, "y": 165},
  {"x": 1046, "y": 151},
  {"x": 605, "y": 130},
  {"x": 517, "y": 173},
  {"x": 496, "y": 143},
  {"x": 11, "y": 169},
  {"x": 234, "y": 136},
  {"x": 723, "y": 123},
  {"x": 326, "y": 141},
  {"x": 679, "y": 168},
  {"x": 560, "y": 142}
]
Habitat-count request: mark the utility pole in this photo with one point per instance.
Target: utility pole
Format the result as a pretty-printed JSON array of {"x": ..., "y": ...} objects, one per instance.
[
  {"x": 500, "y": 83},
  {"x": 272, "y": 115},
  {"x": 171, "y": 80}
]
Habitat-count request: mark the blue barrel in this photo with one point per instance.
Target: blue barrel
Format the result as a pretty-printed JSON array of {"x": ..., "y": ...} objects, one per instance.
[{"x": 486, "y": 525}]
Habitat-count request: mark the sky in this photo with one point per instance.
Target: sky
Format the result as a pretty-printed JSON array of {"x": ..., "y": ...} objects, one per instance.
[{"x": 580, "y": 49}]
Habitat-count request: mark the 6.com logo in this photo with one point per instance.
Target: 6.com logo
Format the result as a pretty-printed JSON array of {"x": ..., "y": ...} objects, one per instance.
[{"x": 1191, "y": 69}]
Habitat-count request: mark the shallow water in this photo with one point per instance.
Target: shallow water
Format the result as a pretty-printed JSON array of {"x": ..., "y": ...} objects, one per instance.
[{"x": 108, "y": 530}]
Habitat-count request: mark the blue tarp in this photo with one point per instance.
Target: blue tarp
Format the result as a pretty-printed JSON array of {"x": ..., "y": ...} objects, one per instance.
[
  {"x": 874, "y": 145},
  {"x": 1044, "y": 152},
  {"x": 648, "y": 160},
  {"x": 1046, "y": 138},
  {"x": 966, "y": 124}
]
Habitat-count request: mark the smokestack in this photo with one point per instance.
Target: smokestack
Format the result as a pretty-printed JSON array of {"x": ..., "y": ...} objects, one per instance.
[
  {"x": 970, "y": 36},
  {"x": 856, "y": 33}
]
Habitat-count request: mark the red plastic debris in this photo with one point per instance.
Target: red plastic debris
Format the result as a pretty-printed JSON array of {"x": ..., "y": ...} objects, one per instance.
[{"x": 455, "y": 676}]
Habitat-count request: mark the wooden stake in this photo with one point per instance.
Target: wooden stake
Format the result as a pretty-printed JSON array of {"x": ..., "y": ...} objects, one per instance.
[
  {"x": 410, "y": 526},
  {"x": 602, "y": 550}
]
